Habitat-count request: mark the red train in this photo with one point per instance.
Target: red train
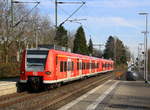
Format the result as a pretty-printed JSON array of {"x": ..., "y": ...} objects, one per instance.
[{"x": 43, "y": 67}]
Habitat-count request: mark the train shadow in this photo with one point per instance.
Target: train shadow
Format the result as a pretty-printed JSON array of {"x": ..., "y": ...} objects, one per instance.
[{"x": 14, "y": 79}]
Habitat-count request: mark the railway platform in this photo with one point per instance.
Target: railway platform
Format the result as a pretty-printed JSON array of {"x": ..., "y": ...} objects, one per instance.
[
  {"x": 114, "y": 95},
  {"x": 8, "y": 86}
]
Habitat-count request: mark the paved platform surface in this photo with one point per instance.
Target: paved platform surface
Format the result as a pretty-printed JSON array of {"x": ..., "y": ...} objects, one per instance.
[
  {"x": 8, "y": 86},
  {"x": 114, "y": 95}
]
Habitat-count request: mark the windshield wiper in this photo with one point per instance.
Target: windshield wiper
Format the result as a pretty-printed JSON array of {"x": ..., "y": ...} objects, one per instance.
[{"x": 35, "y": 65}]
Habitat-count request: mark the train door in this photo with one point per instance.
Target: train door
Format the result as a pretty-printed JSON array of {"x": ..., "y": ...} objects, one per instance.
[
  {"x": 90, "y": 66},
  {"x": 80, "y": 67},
  {"x": 95, "y": 66},
  {"x": 69, "y": 68},
  {"x": 61, "y": 67}
]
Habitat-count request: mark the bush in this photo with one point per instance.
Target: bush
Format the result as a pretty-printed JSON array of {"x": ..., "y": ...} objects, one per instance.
[{"x": 9, "y": 70}]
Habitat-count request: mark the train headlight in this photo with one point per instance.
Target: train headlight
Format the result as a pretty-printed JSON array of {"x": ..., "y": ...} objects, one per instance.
[
  {"x": 48, "y": 72},
  {"x": 22, "y": 72}
]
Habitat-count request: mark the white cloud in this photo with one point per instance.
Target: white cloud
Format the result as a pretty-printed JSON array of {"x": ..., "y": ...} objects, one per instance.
[
  {"x": 111, "y": 21},
  {"x": 119, "y": 3}
]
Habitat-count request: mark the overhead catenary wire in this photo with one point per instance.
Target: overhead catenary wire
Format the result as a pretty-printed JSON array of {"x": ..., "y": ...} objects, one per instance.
[
  {"x": 73, "y": 13},
  {"x": 21, "y": 20}
]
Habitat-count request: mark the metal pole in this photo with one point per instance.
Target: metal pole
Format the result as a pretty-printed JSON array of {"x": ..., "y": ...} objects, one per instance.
[
  {"x": 115, "y": 57},
  {"x": 56, "y": 6},
  {"x": 12, "y": 15},
  {"x": 144, "y": 57},
  {"x": 145, "y": 49},
  {"x": 115, "y": 50},
  {"x": 146, "y": 52},
  {"x": 36, "y": 39},
  {"x": 138, "y": 58}
]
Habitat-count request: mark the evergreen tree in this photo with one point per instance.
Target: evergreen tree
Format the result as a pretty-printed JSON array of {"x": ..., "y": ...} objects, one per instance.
[
  {"x": 61, "y": 37},
  {"x": 115, "y": 50},
  {"x": 109, "y": 48},
  {"x": 80, "y": 45},
  {"x": 121, "y": 57},
  {"x": 90, "y": 47}
]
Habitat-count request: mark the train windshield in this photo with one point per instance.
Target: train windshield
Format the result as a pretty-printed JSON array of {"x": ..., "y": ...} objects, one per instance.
[{"x": 36, "y": 60}]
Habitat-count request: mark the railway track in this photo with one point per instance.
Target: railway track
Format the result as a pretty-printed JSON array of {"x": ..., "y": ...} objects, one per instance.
[{"x": 53, "y": 99}]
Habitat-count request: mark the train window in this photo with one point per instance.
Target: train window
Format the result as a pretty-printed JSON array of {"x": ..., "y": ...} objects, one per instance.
[
  {"x": 83, "y": 66},
  {"x": 61, "y": 66},
  {"x": 77, "y": 65},
  {"x": 92, "y": 65},
  {"x": 72, "y": 66},
  {"x": 97, "y": 65},
  {"x": 87, "y": 65},
  {"x": 80, "y": 66},
  {"x": 69, "y": 66},
  {"x": 103, "y": 65},
  {"x": 56, "y": 60},
  {"x": 65, "y": 66}
]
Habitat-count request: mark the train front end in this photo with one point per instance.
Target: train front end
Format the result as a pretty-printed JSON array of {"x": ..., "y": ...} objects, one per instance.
[{"x": 33, "y": 69}]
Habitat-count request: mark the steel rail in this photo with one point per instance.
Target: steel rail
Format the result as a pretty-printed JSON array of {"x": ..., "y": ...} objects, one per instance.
[{"x": 46, "y": 104}]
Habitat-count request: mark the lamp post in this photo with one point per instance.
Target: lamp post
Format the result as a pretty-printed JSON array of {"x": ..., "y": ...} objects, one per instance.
[{"x": 145, "y": 48}]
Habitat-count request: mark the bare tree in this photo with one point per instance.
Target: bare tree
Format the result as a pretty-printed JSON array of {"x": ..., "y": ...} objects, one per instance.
[{"x": 26, "y": 28}]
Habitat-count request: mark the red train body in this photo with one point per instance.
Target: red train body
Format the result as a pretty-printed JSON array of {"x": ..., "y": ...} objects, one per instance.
[{"x": 48, "y": 66}]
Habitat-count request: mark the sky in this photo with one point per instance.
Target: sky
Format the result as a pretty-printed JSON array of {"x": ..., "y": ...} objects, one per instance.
[{"x": 118, "y": 18}]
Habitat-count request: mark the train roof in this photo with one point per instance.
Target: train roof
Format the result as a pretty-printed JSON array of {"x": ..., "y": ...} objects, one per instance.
[
  {"x": 77, "y": 55},
  {"x": 60, "y": 52}
]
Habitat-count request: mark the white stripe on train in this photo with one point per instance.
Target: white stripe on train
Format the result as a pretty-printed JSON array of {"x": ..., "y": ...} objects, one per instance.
[{"x": 67, "y": 79}]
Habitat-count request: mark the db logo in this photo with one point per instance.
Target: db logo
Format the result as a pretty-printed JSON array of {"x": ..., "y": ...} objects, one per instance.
[{"x": 35, "y": 73}]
